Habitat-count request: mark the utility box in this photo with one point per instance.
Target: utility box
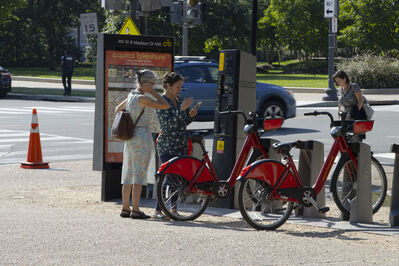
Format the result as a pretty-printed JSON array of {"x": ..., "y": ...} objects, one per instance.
[{"x": 236, "y": 90}]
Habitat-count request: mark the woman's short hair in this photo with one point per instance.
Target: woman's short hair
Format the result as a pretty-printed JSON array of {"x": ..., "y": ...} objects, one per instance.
[
  {"x": 342, "y": 75},
  {"x": 171, "y": 78},
  {"x": 145, "y": 76}
]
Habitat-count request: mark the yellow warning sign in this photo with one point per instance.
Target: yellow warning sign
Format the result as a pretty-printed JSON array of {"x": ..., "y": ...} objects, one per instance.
[
  {"x": 220, "y": 146},
  {"x": 221, "y": 62},
  {"x": 129, "y": 28}
]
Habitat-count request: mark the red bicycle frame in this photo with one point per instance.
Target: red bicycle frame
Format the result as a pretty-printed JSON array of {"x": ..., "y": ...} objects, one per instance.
[
  {"x": 285, "y": 176},
  {"x": 339, "y": 145},
  {"x": 202, "y": 171}
]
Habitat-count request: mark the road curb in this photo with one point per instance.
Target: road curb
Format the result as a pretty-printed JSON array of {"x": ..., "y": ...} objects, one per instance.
[
  {"x": 54, "y": 80},
  {"x": 53, "y": 98}
]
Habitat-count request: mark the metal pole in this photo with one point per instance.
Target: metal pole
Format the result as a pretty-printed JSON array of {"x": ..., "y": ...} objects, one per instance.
[
  {"x": 331, "y": 91},
  {"x": 185, "y": 29},
  {"x": 254, "y": 26}
]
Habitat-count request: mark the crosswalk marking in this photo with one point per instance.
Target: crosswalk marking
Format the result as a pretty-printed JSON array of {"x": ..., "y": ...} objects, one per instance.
[
  {"x": 13, "y": 147},
  {"x": 48, "y": 110}
]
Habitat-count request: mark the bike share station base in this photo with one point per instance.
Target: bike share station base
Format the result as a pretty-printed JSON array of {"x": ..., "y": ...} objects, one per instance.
[
  {"x": 119, "y": 58},
  {"x": 236, "y": 90}
]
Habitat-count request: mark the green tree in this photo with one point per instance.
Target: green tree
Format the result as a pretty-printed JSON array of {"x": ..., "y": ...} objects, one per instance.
[
  {"x": 267, "y": 40},
  {"x": 370, "y": 25},
  {"x": 300, "y": 25},
  {"x": 227, "y": 25},
  {"x": 8, "y": 8}
]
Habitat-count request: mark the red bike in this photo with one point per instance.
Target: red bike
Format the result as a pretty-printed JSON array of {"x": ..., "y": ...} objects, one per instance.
[
  {"x": 186, "y": 184},
  {"x": 276, "y": 188}
]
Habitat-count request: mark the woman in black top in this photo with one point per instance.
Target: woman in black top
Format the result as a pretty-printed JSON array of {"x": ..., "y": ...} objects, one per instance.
[
  {"x": 173, "y": 140},
  {"x": 351, "y": 100}
]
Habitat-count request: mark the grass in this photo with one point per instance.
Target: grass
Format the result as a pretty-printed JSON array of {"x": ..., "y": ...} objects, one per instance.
[
  {"x": 38, "y": 91},
  {"x": 80, "y": 72},
  {"x": 294, "y": 80},
  {"x": 290, "y": 73}
]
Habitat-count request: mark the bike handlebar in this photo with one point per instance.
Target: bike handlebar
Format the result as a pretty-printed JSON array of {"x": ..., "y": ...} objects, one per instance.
[
  {"x": 341, "y": 113},
  {"x": 229, "y": 112}
]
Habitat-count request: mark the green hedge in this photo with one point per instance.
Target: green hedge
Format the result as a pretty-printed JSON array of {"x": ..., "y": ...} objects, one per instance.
[{"x": 370, "y": 71}]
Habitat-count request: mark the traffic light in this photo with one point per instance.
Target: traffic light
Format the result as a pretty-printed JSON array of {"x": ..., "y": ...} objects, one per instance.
[
  {"x": 176, "y": 13},
  {"x": 194, "y": 11}
]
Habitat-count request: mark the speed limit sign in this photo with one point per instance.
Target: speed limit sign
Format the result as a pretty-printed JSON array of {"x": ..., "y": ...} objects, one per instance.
[{"x": 88, "y": 21}]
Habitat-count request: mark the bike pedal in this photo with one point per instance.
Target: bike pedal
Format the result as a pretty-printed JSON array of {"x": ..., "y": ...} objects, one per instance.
[{"x": 324, "y": 210}]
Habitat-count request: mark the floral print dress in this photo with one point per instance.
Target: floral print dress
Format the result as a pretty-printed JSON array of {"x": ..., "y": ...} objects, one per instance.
[
  {"x": 173, "y": 138},
  {"x": 138, "y": 150}
]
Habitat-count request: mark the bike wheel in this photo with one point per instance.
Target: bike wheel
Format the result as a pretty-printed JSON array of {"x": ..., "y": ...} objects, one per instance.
[
  {"x": 343, "y": 186},
  {"x": 260, "y": 213},
  {"x": 175, "y": 202}
]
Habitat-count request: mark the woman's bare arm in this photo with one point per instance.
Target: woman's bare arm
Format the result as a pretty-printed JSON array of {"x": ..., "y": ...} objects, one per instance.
[
  {"x": 121, "y": 106},
  {"x": 359, "y": 98},
  {"x": 158, "y": 103}
]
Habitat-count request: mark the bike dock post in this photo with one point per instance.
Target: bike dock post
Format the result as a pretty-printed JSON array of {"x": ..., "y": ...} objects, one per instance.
[
  {"x": 394, "y": 211},
  {"x": 361, "y": 204},
  {"x": 311, "y": 159},
  {"x": 267, "y": 144}
]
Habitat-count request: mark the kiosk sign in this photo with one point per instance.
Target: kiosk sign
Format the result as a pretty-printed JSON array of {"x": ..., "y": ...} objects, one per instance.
[{"x": 123, "y": 56}]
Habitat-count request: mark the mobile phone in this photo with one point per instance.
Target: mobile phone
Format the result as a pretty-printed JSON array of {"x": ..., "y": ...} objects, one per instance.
[{"x": 197, "y": 105}]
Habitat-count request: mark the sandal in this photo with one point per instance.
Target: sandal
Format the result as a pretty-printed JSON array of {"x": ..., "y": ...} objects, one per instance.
[
  {"x": 138, "y": 215},
  {"x": 125, "y": 213}
]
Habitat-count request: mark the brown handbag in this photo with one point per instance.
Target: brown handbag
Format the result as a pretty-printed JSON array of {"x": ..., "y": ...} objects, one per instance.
[{"x": 123, "y": 126}]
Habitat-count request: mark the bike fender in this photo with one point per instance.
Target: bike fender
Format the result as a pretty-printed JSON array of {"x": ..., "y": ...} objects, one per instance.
[
  {"x": 185, "y": 166},
  {"x": 268, "y": 170}
]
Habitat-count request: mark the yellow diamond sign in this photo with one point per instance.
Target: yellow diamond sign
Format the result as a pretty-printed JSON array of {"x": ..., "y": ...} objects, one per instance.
[{"x": 129, "y": 28}]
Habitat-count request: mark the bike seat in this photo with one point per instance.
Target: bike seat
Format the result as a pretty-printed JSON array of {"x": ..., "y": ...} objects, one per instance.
[
  {"x": 197, "y": 135},
  {"x": 284, "y": 147}
]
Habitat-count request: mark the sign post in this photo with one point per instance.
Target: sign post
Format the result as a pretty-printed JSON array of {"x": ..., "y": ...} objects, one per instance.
[
  {"x": 119, "y": 58},
  {"x": 331, "y": 12}
]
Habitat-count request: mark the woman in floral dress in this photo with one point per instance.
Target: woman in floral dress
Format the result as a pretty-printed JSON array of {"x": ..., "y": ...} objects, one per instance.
[
  {"x": 173, "y": 140},
  {"x": 137, "y": 151}
]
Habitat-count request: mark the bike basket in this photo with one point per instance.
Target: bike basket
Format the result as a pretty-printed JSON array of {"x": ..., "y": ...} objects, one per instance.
[
  {"x": 274, "y": 123},
  {"x": 362, "y": 126}
]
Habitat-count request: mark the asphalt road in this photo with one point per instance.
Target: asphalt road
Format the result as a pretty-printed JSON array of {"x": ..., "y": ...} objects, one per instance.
[{"x": 66, "y": 130}]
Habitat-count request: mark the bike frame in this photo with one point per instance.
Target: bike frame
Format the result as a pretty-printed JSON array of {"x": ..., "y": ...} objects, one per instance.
[
  {"x": 340, "y": 145},
  {"x": 251, "y": 141}
]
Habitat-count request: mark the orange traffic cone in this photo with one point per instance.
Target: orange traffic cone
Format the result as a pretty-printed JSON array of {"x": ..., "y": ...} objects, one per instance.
[{"x": 34, "y": 160}]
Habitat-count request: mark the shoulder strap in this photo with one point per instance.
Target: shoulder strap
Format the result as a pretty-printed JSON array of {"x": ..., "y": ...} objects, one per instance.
[{"x": 141, "y": 113}]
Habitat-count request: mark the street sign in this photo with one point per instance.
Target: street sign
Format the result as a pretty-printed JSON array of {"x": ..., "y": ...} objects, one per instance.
[
  {"x": 334, "y": 25},
  {"x": 129, "y": 28},
  {"x": 330, "y": 9},
  {"x": 88, "y": 22}
]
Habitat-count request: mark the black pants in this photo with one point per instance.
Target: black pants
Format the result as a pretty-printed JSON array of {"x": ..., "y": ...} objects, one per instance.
[
  {"x": 357, "y": 114},
  {"x": 67, "y": 89}
]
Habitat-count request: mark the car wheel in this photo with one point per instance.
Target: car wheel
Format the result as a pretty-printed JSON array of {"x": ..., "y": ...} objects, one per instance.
[{"x": 273, "y": 109}]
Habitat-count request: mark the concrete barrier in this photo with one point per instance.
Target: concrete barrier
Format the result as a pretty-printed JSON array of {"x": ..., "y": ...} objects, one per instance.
[
  {"x": 394, "y": 210},
  {"x": 311, "y": 159},
  {"x": 361, "y": 205}
]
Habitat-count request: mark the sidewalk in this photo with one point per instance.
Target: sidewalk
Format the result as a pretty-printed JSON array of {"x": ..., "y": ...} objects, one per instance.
[
  {"x": 55, "y": 216},
  {"x": 305, "y": 97}
]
